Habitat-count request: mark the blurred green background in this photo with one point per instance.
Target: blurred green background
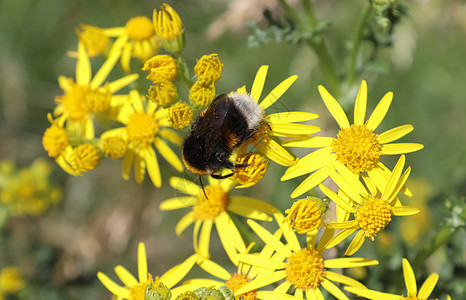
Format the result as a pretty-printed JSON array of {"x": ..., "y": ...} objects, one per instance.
[{"x": 102, "y": 217}]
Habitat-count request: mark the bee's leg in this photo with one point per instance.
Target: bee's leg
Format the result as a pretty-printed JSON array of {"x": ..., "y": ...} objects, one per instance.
[{"x": 221, "y": 176}]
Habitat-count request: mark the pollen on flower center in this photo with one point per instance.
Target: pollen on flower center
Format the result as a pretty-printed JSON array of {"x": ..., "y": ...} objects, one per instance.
[
  {"x": 357, "y": 148},
  {"x": 209, "y": 209},
  {"x": 141, "y": 129},
  {"x": 137, "y": 292},
  {"x": 373, "y": 216},
  {"x": 236, "y": 281},
  {"x": 140, "y": 28},
  {"x": 305, "y": 269}
]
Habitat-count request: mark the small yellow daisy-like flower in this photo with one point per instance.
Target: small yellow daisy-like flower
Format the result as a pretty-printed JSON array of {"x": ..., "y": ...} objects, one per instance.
[
  {"x": 410, "y": 281},
  {"x": 113, "y": 146},
  {"x": 282, "y": 124},
  {"x": 202, "y": 93},
  {"x": 87, "y": 157},
  {"x": 169, "y": 28},
  {"x": 214, "y": 210},
  {"x": 372, "y": 211},
  {"x": 94, "y": 39},
  {"x": 357, "y": 148},
  {"x": 163, "y": 92},
  {"x": 161, "y": 67},
  {"x": 138, "y": 38},
  {"x": 256, "y": 167},
  {"x": 180, "y": 115},
  {"x": 305, "y": 215},
  {"x": 87, "y": 96},
  {"x": 145, "y": 126},
  {"x": 208, "y": 68},
  {"x": 55, "y": 139},
  {"x": 134, "y": 289},
  {"x": 11, "y": 281},
  {"x": 303, "y": 268}
]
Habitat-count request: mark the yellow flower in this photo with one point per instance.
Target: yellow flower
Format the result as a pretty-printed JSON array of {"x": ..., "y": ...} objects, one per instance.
[
  {"x": 283, "y": 124},
  {"x": 28, "y": 191},
  {"x": 202, "y": 93},
  {"x": 214, "y": 210},
  {"x": 256, "y": 167},
  {"x": 94, "y": 39},
  {"x": 356, "y": 149},
  {"x": 372, "y": 211},
  {"x": 169, "y": 28},
  {"x": 145, "y": 128},
  {"x": 305, "y": 215},
  {"x": 410, "y": 281},
  {"x": 303, "y": 268},
  {"x": 87, "y": 96},
  {"x": 179, "y": 115},
  {"x": 208, "y": 68},
  {"x": 138, "y": 39},
  {"x": 160, "y": 67},
  {"x": 163, "y": 92},
  {"x": 134, "y": 289},
  {"x": 11, "y": 281}
]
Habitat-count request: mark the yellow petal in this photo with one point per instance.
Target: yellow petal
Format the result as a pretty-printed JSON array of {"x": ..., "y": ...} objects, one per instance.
[
  {"x": 83, "y": 66},
  {"x": 310, "y": 182},
  {"x": 258, "y": 84},
  {"x": 178, "y": 272},
  {"x": 261, "y": 281},
  {"x": 172, "y": 136},
  {"x": 410, "y": 279},
  {"x": 399, "y": 148},
  {"x": 275, "y": 152},
  {"x": 380, "y": 111},
  {"x": 184, "y": 223},
  {"x": 324, "y": 239},
  {"x": 428, "y": 286},
  {"x": 229, "y": 236},
  {"x": 309, "y": 163},
  {"x": 356, "y": 243},
  {"x": 168, "y": 154},
  {"x": 125, "y": 276},
  {"x": 394, "y": 134},
  {"x": 113, "y": 287},
  {"x": 128, "y": 160},
  {"x": 309, "y": 142},
  {"x": 360, "y": 105},
  {"x": 120, "y": 83},
  {"x": 290, "y": 236},
  {"x": 214, "y": 269},
  {"x": 343, "y": 279},
  {"x": 283, "y": 287},
  {"x": 393, "y": 179},
  {"x": 335, "y": 109},
  {"x": 65, "y": 83},
  {"x": 292, "y": 129},
  {"x": 152, "y": 166},
  {"x": 204, "y": 240},
  {"x": 344, "y": 185},
  {"x": 314, "y": 294},
  {"x": 343, "y": 225},
  {"x": 185, "y": 186},
  {"x": 177, "y": 203},
  {"x": 255, "y": 204},
  {"x": 277, "y": 92},
  {"x": 339, "y": 237},
  {"x": 334, "y": 290},
  {"x": 350, "y": 262},
  {"x": 405, "y": 210},
  {"x": 291, "y": 117},
  {"x": 114, "y": 31},
  {"x": 337, "y": 199},
  {"x": 298, "y": 294},
  {"x": 126, "y": 57},
  {"x": 350, "y": 177},
  {"x": 247, "y": 211},
  {"x": 109, "y": 63},
  {"x": 269, "y": 239},
  {"x": 369, "y": 294},
  {"x": 142, "y": 262},
  {"x": 261, "y": 262},
  {"x": 399, "y": 185},
  {"x": 269, "y": 295}
]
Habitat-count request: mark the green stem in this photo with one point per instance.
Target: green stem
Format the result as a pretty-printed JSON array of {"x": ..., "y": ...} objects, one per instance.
[
  {"x": 357, "y": 43},
  {"x": 183, "y": 72},
  {"x": 442, "y": 237}
]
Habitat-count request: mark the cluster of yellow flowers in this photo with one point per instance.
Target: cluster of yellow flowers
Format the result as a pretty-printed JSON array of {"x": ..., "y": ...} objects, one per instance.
[{"x": 365, "y": 202}]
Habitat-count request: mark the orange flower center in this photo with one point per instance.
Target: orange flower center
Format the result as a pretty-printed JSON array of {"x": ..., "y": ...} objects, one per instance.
[
  {"x": 357, "y": 148},
  {"x": 140, "y": 28},
  {"x": 305, "y": 269},
  {"x": 373, "y": 216},
  {"x": 209, "y": 209}
]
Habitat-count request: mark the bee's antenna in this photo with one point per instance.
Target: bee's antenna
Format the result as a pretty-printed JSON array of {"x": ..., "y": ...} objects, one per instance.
[{"x": 202, "y": 185}]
